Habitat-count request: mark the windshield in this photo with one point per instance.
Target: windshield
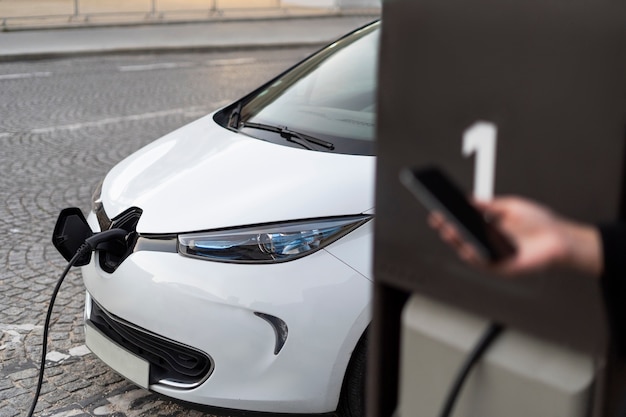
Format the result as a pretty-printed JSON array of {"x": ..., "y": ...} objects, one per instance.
[{"x": 330, "y": 96}]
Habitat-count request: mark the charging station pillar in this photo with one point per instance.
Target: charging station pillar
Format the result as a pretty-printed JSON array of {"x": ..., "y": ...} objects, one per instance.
[{"x": 523, "y": 97}]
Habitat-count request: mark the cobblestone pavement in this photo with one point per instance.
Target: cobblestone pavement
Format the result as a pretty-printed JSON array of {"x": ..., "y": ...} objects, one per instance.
[{"x": 64, "y": 125}]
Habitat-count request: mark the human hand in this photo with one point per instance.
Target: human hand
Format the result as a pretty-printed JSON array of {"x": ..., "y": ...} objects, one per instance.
[{"x": 543, "y": 239}]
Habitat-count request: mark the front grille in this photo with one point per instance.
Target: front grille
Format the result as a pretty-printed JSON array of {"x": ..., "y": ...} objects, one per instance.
[{"x": 171, "y": 363}]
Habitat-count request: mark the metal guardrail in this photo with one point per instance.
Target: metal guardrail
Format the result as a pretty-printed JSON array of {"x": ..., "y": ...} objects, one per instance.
[{"x": 213, "y": 9}]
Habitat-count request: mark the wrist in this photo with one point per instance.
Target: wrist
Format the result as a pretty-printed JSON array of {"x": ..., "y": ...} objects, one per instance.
[{"x": 582, "y": 248}]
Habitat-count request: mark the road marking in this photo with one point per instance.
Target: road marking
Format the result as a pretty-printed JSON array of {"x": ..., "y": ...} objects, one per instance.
[
  {"x": 75, "y": 352},
  {"x": 16, "y": 333},
  {"x": 25, "y": 75},
  {"x": 81, "y": 350},
  {"x": 69, "y": 413},
  {"x": 152, "y": 67},
  {"x": 127, "y": 404},
  {"x": 231, "y": 61},
  {"x": 15, "y": 339},
  {"x": 55, "y": 356},
  {"x": 24, "y": 327},
  {"x": 13, "y": 335},
  {"x": 176, "y": 65},
  {"x": 190, "y": 111}
]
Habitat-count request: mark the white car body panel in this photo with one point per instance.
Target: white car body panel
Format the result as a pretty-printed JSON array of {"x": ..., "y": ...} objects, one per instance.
[
  {"x": 203, "y": 176},
  {"x": 247, "y": 374}
]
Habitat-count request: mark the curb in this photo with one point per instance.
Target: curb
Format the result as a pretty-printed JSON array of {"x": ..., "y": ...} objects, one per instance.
[{"x": 37, "y": 56}]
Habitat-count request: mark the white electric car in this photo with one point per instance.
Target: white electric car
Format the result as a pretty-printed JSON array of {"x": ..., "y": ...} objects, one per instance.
[{"x": 245, "y": 280}]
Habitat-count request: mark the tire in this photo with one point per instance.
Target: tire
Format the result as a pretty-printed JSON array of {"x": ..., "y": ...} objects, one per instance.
[{"x": 352, "y": 399}]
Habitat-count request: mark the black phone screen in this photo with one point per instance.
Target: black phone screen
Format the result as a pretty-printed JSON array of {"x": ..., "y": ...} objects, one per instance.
[{"x": 437, "y": 192}]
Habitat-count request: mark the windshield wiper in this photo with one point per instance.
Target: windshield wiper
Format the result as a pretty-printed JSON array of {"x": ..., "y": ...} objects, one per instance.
[{"x": 290, "y": 135}]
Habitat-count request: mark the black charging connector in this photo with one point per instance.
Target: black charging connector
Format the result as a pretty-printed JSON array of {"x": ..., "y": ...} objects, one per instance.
[
  {"x": 90, "y": 244},
  {"x": 106, "y": 236}
]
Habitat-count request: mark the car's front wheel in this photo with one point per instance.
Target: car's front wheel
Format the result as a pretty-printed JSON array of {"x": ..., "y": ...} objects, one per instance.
[{"x": 352, "y": 399}]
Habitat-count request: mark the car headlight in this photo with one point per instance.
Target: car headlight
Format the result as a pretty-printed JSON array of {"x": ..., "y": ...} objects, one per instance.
[{"x": 267, "y": 243}]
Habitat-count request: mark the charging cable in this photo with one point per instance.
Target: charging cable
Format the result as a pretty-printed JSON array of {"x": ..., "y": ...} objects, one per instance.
[
  {"x": 91, "y": 244},
  {"x": 485, "y": 341}
]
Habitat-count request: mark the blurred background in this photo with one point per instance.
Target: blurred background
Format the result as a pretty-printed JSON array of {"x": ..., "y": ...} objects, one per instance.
[{"x": 27, "y": 13}]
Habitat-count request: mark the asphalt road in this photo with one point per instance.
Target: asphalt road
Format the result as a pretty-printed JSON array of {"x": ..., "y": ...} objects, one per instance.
[{"x": 64, "y": 124}]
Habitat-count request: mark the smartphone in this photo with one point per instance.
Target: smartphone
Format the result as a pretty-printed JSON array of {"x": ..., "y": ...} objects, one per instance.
[{"x": 437, "y": 192}]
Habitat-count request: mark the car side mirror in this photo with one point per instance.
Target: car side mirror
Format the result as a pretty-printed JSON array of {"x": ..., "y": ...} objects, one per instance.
[{"x": 70, "y": 232}]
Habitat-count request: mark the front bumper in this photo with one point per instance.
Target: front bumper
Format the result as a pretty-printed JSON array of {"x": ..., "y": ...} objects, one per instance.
[
  {"x": 144, "y": 357},
  {"x": 214, "y": 308}
]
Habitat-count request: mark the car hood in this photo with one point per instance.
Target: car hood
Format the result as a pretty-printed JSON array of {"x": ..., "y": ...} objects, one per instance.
[{"x": 203, "y": 177}]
